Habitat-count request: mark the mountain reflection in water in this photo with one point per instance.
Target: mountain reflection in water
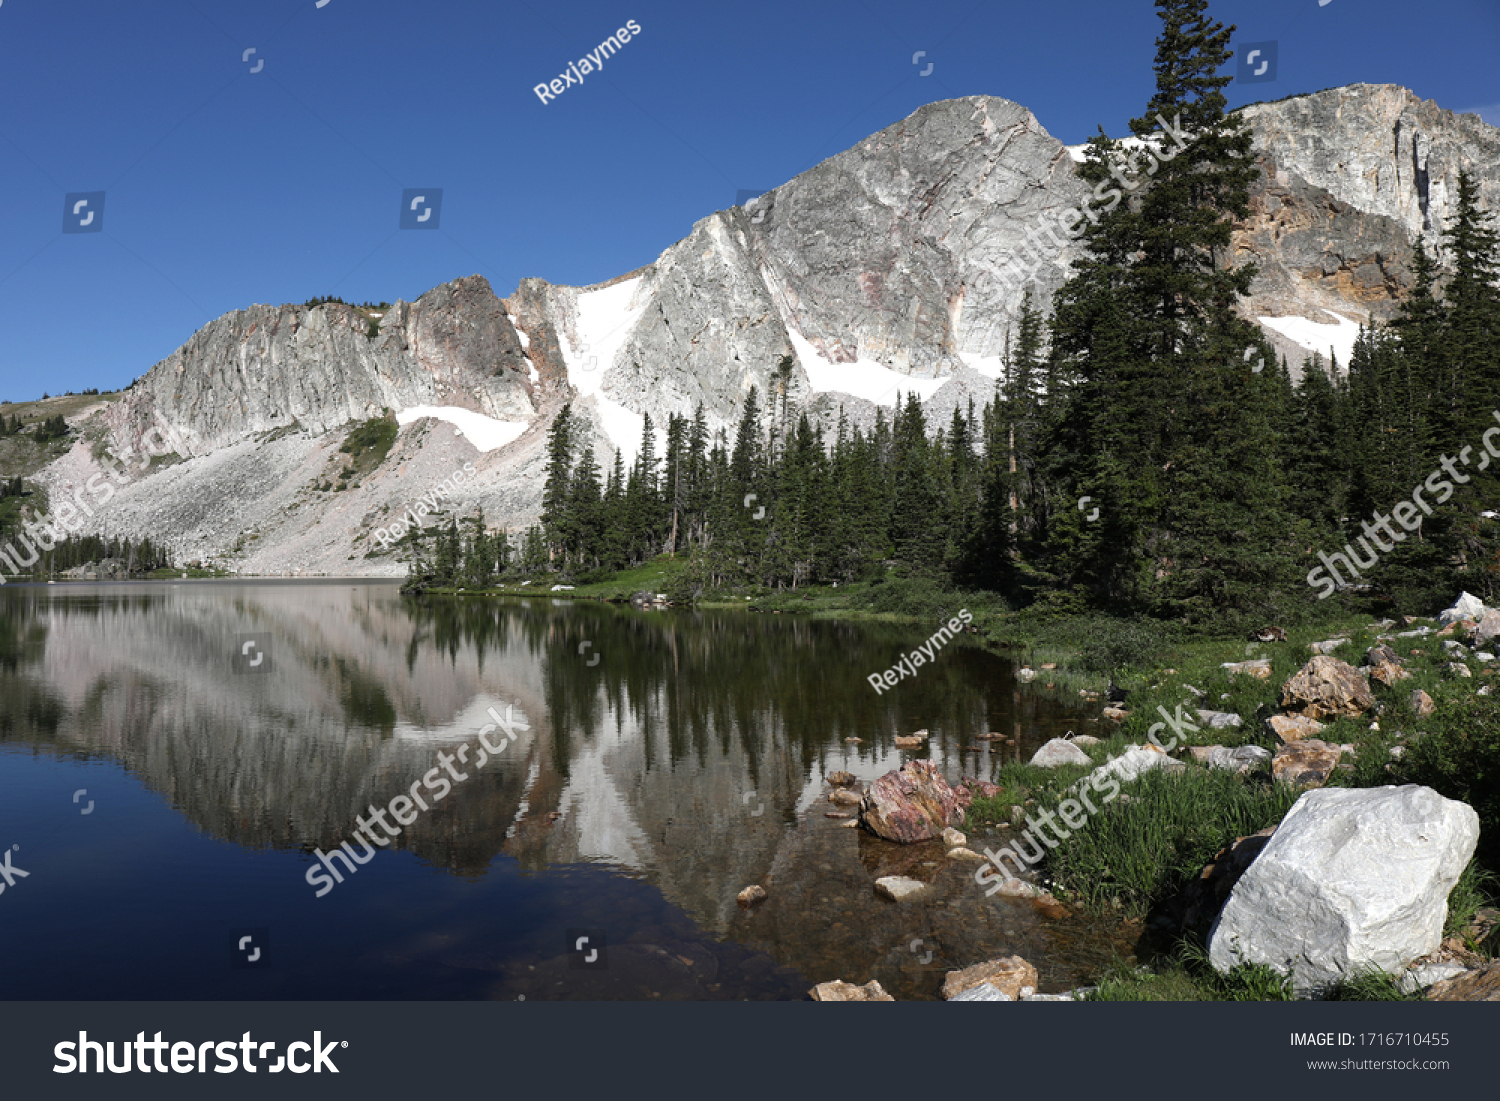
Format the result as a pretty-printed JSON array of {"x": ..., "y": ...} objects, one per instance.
[{"x": 648, "y": 788}]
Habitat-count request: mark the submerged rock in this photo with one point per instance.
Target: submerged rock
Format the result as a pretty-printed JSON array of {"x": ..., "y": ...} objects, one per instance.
[
  {"x": 751, "y": 895},
  {"x": 1351, "y": 879},
  {"x": 899, "y": 888}
]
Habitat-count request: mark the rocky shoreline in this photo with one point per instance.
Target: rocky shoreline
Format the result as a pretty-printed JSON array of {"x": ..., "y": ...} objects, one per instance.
[{"x": 1366, "y": 870}]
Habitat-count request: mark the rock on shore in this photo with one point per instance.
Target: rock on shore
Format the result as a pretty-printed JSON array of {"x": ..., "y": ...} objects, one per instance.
[{"x": 1352, "y": 878}]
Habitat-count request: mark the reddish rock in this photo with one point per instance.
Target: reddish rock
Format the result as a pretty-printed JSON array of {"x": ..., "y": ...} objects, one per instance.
[
  {"x": 1388, "y": 673},
  {"x": 911, "y": 804},
  {"x": 1482, "y": 985},
  {"x": 1012, "y": 976},
  {"x": 841, "y": 797},
  {"x": 1326, "y": 688},
  {"x": 841, "y": 779},
  {"x": 1422, "y": 703},
  {"x": 841, "y": 991},
  {"x": 979, "y": 788}
]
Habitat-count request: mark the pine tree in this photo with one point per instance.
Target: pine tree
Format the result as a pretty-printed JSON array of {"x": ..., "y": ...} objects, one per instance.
[
  {"x": 1170, "y": 428},
  {"x": 557, "y": 524},
  {"x": 1470, "y": 377},
  {"x": 677, "y": 475},
  {"x": 918, "y": 519},
  {"x": 585, "y": 512},
  {"x": 1471, "y": 344}
]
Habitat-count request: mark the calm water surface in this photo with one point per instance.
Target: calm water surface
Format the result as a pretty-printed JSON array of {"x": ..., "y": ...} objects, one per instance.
[{"x": 165, "y": 792}]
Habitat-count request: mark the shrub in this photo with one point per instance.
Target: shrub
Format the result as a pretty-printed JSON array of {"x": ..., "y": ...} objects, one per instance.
[
  {"x": 1113, "y": 644},
  {"x": 1460, "y": 758},
  {"x": 371, "y": 442}
]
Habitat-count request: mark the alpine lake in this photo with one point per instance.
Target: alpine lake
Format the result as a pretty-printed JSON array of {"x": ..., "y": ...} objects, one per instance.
[{"x": 174, "y": 756}]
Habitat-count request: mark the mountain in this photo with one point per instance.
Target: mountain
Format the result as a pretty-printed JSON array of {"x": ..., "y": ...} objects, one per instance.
[{"x": 880, "y": 271}]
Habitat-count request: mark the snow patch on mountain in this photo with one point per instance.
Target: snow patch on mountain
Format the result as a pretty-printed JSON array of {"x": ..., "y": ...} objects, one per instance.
[
  {"x": 988, "y": 366},
  {"x": 1321, "y": 337},
  {"x": 604, "y": 320},
  {"x": 623, "y": 427},
  {"x": 864, "y": 378},
  {"x": 485, "y": 433}
]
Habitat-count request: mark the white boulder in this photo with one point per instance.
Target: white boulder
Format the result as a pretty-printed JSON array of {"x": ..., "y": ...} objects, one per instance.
[
  {"x": 1219, "y": 720},
  {"x": 1352, "y": 878},
  {"x": 1129, "y": 765},
  {"x": 1240, "y": 758},
  {"x": 1059, "y": 752},
  {"x": 1465, "y": 607}
]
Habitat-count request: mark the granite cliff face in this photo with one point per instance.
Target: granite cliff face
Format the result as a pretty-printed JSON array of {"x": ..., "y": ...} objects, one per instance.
[
  {"x": 268, "y": 367},
  {"x": 874, "y": 270}
]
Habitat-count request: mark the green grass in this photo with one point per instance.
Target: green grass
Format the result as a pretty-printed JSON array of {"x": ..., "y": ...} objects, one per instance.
[
  {"x": 369, "y": 444},
  {"x": 174, "y": 573},
  {"x": 1469, "y": 895},
  {"x": 1189, "y": 977},
  {"x": 1138, "y": 852},
  {"x": 660, "y": 575}
]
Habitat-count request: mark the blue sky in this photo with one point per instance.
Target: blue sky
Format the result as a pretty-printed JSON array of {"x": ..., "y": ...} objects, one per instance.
[{"x": 226, "y": 185}]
